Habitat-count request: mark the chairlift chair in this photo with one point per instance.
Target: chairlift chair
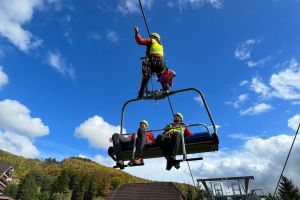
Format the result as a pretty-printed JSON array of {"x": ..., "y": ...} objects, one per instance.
[{"x": 201, "y": 142}]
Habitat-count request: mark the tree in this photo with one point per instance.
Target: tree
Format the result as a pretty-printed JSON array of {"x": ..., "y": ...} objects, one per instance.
[
  {"x": 28, "y": 189},
  {"x": 62, "y": 183},
  {"x": 287, "y": 190},
  {"x": 270, "y": 197},
  {"x": 191, "y": 194},
  {"x": 11, "y": 190}
]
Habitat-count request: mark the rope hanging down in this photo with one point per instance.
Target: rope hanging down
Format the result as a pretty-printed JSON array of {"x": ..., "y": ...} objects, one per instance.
[
  {"x": 142, "y": 10},
  {"x": 286, "y": 161}
]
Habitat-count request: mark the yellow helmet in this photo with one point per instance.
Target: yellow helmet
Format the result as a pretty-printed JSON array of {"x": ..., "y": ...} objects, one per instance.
[
  {"x": 180, "y": 115},
  {"x": 145, "y": 122},
  {"x": 155, "y": 35}
]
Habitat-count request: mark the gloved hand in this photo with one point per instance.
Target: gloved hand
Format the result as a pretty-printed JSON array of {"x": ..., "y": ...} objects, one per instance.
[{"x": 136, "y": 29}]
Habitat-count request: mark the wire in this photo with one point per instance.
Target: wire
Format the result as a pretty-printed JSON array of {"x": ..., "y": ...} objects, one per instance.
[
  {"x": 191, "y": 173},
  {"x": 142, "y": 10},
  {"x": 286, "y": 161},
  {"x": 171, "y": 106}
]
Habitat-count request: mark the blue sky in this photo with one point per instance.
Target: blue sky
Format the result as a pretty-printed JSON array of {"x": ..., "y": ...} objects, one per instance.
[{"x": 67, "y": 67}]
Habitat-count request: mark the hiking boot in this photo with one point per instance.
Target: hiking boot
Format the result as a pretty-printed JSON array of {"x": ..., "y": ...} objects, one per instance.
[
  {"x": 176, "y": 164},
  {"x": 138, "y": 161},
  {"x": 120, "y": 164},
  {"x": 169, "y": 164}
]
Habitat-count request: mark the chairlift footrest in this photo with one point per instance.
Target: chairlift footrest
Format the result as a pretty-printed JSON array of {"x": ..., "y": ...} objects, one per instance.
[
  {"x": 134, "y": 164},
  {"x": 190, "y": 159},
  {"x": 120, "y": 167}
]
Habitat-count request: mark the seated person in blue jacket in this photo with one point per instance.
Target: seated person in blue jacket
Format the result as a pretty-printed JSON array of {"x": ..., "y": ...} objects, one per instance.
[
  {"x": 143, "y": 137},
  {"x": 169, "y": 141}
]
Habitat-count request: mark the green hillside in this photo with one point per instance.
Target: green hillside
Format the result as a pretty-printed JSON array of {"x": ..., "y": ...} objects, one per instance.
[{"x": 72, "y": 178}]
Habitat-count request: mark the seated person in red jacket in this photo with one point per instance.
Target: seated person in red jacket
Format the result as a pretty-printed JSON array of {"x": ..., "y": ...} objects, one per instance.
[
  {"x": 143, "y": 138},
  {"x": 169, "y": 141}
]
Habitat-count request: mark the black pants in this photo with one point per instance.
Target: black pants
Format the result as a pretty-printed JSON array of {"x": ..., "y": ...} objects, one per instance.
[
  {"x": 149, "y": 66},
  {"x": 119, "y": 139},
  {"x": 169, "y": 145}
]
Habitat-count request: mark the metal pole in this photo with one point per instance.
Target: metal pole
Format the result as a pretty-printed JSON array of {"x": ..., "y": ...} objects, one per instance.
[{"x": 183, "y": 144}]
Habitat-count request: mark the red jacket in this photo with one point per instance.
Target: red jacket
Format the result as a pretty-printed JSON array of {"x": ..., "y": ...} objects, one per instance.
[
  {"x": 141, "y": 41},
  {"x": 149, "y": 137}
]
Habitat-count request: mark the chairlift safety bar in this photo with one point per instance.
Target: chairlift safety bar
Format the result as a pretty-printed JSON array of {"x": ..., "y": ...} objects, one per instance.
[{"x": 169, "y": 94}]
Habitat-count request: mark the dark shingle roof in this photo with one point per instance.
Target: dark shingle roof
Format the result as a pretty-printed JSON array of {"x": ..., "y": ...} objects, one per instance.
[
  {"x": 147, "y": 191},
  {"x": 4, "y": 166}
]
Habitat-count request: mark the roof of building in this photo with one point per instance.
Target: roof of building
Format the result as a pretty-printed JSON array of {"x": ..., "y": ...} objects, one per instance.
[
  {"x": 4, "y": 166},
  {"x": 147, "y": 191}
]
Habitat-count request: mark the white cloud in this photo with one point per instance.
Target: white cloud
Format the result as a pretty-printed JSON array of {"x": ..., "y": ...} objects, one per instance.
[
  {"x": 258, "y": 157},
  {"x": 286, "y": 84},
  {"x": 18, "y": 129},
  {"x": 283, "y": 85},
  {"x": 296, "y": 103},
  {"x": 258, "y": 86},
  {"x": 94, "y": 35},
  {"x": 16, "y": 117},
  {"x": 243, "y": 83},
  {"x": 243, "y": 50},
  {"x": 260, "y": 63},
  {"x": 112, "y": 36},
  {"x": 133, "y": 6},
  {"x": 239, "y": 136},
  {"x": 18, "y": 144},
  {"x": 241, "y": 98},
  {"x": 3, "y": 78},
  {"x": 13, "y": 15},
  {"x": 103, "y": 160},
  {"x": 96, "y": 131},
  {"x": 256, "y": 109},
  {"x": 198, "y": 99},
  {"x": 199, "y": 3},
  {"x": 55, "y": 60},
  {"x": 294, "y": 122}
]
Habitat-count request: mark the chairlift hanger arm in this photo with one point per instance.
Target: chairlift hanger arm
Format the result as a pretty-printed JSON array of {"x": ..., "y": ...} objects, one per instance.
[{"x": 169, "y": 94}]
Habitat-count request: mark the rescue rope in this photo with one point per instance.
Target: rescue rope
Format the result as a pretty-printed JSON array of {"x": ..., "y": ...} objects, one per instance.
[
  {"x": 191, "y": 173},
  {"x": 170, "y": 104},
  {"x": 142, "y": 10},
  {"x": 286, "y": 161}
]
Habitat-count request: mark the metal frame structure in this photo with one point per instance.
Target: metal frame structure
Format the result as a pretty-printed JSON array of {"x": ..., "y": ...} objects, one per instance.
[
  {"x": 210, "y": 142},
  {"x": 240, "y": 189},
  {"x": 158, "y": 95}
]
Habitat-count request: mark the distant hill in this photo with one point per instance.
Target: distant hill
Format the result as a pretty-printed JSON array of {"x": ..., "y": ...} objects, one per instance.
[{"x": 71, "y": 179}]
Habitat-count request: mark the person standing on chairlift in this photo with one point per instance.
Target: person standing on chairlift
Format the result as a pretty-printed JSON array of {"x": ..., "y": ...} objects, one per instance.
[
  {"x": 154, "y": 62},
  {"x": 143, "y": 137},
  {"x": 169, "y": 141}
]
